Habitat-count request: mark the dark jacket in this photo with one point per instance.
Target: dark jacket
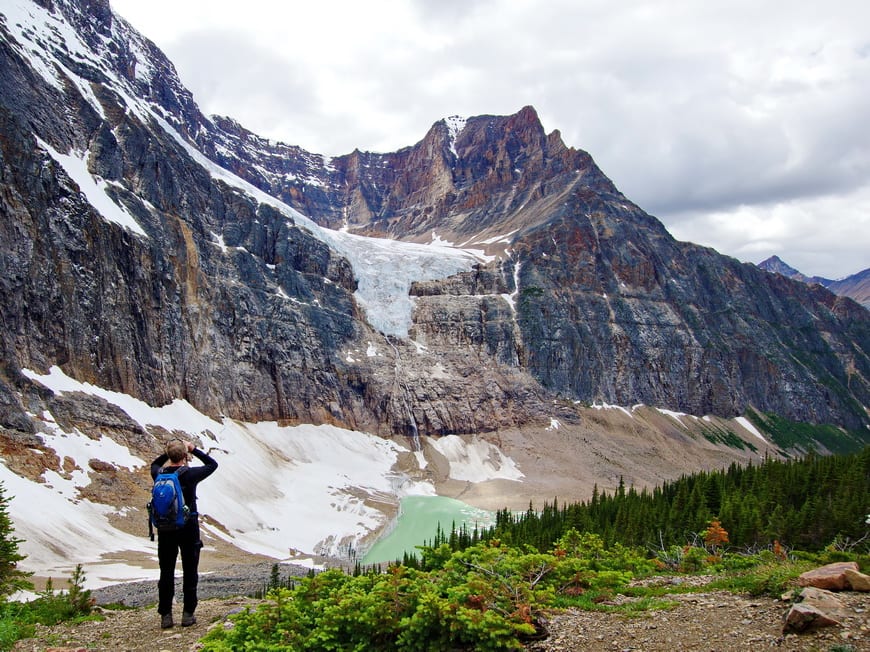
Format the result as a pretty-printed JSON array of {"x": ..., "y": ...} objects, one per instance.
[{"x": 191, "y": 477}]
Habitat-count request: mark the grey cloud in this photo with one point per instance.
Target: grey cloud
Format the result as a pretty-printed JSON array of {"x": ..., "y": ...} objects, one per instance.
[
  {"x": 449, "y": 11},
  {"x": 230, "y": 74}
]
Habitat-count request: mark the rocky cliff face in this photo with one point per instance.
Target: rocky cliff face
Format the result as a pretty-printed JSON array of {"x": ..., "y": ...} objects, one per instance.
[{"x": 191, "y": 284}]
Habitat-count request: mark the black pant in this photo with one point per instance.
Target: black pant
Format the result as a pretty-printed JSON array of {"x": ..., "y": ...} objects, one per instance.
[{"x": 168, "y": 544}]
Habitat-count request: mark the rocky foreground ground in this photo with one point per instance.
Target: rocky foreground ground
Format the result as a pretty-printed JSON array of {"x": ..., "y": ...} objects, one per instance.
[{"x": 703, "y": 621}]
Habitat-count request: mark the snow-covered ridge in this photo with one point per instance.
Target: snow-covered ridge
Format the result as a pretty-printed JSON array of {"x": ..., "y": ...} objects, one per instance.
[{"x": 384, "y": 269}]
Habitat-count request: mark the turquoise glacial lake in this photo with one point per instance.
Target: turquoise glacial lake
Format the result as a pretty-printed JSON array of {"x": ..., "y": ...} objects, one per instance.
[{"x": 417, "y": 524}]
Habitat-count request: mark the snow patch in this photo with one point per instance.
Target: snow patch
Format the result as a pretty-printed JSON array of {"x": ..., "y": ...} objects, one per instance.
[
  {"x": 476, "y": 460},
  {"x": 504, "y": 238},
  {"x": 59, "y": 532},
  {"x": 93, "y": 188},
  {"x": 748, "y": 425},
  {"x": 677, "y": 416},
  {"x": 455, "y": 125},
  {"x": 606, "y": 406},
  {"x": 80, "y": 447},
  {"x": 219, "y": 241}
]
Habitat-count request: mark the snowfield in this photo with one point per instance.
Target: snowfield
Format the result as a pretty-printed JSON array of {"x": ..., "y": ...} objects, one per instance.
[{"x": 279, "y": 491}]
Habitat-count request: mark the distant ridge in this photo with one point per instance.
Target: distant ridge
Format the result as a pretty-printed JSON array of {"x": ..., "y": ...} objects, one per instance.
[{"x": 855, "y": 286}]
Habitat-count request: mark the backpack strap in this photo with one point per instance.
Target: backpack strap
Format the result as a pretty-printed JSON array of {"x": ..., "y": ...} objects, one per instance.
[{"x": 185, "y": 469}]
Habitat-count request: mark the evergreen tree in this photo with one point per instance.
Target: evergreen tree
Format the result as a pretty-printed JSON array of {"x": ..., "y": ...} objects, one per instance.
[
  {"x": 805, "y": 504},
  {"x": 12, "y": 578}
]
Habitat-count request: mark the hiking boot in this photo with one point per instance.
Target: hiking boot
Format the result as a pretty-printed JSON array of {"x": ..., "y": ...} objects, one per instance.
[
  {"x": 166, "y": 621},
  {"x": 187, "y": 619}
]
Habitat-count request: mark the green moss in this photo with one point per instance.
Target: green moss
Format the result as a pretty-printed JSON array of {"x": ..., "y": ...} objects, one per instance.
[{"x": 718, "y": 435}]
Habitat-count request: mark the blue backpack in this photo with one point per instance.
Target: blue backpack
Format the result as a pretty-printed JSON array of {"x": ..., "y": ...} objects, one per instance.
[{"x": 167, "y": 511}]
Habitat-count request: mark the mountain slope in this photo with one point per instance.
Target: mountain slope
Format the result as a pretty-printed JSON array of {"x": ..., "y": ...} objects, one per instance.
[
  {"x": 233, "y": 301},
  {"x": 855, "y": 286}
]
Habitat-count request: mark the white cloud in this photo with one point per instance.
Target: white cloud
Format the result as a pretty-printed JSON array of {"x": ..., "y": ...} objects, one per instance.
[
  {"x": 818, "y": 233},
  {"x": 693, "y": 109}
]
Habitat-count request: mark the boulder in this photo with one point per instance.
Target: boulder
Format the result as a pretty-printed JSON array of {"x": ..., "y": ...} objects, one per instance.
[
  {"x": 814, "y": 608},
  {"x": 857, "y": 581},
  {"x": 803, "y": 617},
  {"x": 831, "y": 577},
  {"x": 824, "y": 601}
]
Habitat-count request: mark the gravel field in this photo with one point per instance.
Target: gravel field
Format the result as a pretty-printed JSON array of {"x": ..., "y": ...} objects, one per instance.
[{"x": 229, "y": 581}]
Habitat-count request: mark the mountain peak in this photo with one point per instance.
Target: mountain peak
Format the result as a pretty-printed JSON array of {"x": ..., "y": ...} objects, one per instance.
[
  {"x": 528, "y": 114},
  {"x": 777, "y": 265}
]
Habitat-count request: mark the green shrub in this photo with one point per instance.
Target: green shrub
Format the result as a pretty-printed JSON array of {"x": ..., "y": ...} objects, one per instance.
[
  {"x": 488, "y": 596},
  {"x": 768, "y": 578},
  {"x": 694, "y": 559},
  {"x": 589, "y": 548},
  {"x": 17, "y": 619},
  {"x": 51, "y": 608},
  {"x": 734, "y": 562},
  {"x": 15, "y": 624},
  {"x": 485, "y": 598}
]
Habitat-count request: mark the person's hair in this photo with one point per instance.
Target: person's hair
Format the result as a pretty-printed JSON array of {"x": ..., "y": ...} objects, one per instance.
[{"x": 177, "y": 451}]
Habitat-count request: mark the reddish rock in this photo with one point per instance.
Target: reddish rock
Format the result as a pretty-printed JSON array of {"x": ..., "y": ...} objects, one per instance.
[
  {"x": 831, "y": 577},
  {"x": 825, "y": 601},
  {"x": 803, "y": 617},
  {"x": 857, "y": 581}
]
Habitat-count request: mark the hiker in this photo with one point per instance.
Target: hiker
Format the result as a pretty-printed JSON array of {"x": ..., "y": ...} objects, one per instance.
[{"x": 186, "y": 538}]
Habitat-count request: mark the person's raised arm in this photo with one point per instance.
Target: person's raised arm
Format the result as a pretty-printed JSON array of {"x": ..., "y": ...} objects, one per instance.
[
  {"x": 209, "y": 464},
  {"x": 157, "y": 464}
]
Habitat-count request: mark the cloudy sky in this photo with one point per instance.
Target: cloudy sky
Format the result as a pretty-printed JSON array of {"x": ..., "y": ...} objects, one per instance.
[{"x": 742, "y": 125}]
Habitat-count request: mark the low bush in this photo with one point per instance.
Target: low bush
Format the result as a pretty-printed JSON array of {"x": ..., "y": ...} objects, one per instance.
[
  {"x": 486, "y": 597},
  {"x": 17, "y": 619},
  {"x": 771, "y": 578}
]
